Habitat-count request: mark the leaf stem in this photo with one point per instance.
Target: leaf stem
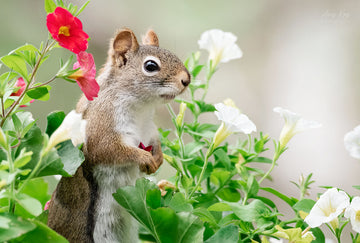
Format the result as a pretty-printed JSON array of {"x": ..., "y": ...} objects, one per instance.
[
  {"x": 208, "y": 154},
  {"x": 33, "y": 172},
  {"x": 12, "y": 185},
  {"x": 43, "y": 84}
]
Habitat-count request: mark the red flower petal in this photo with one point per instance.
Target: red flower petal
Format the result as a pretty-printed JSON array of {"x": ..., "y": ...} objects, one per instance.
[
  {"x": 19, "y": 83},
  {"x": 76, "y": 41},
  {"x": 87, "y": 81}
]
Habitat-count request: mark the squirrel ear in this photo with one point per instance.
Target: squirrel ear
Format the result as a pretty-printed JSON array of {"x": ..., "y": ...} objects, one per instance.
[
  {"x": 124, "y": 41},
  {"x": 150, "y": 39}
]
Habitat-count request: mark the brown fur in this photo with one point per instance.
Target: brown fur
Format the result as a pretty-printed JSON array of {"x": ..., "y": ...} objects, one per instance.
[{"x": 72, "y": 210}]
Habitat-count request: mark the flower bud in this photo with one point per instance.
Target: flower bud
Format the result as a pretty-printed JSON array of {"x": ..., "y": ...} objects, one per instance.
[
  {"x": 180, "y": 117},
  {"x": 3, "y": 142}
]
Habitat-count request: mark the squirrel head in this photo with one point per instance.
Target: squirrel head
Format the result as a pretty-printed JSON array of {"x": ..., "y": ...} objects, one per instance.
[{"x": 146, "y": 72}]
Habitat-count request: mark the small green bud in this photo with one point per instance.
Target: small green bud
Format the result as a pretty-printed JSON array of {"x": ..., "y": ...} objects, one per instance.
[
  {"x": 180, "y": 117},
  {"x": 3, "y": 140}
]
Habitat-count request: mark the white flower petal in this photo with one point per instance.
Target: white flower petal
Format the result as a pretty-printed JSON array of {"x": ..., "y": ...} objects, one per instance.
[
  {"x": 352, "y": 142},
  {"x": 220, "y": 45},
  {"x": 329, "y": 206},
  {"x": 73, "y": 127},
  {"x": 294, "y": 123},
  {"x": 353, "y": 213},
  {"x": 234, "y": 121}
]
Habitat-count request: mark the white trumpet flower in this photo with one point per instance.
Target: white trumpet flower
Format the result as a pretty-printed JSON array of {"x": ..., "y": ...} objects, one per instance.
[
  {"x": 232, "y": 121},
  {"x": 327, "y": 209},
  {"x": 73, "y": 127},
  {"x": 220, "y": 45},
  {"x": 294, "y": 124}
]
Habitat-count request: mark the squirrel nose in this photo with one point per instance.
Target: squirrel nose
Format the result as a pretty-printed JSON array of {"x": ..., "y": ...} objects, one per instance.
[{"x": 185, "y": 78}]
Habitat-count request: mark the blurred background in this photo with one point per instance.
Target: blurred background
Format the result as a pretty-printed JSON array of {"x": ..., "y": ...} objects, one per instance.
[{"x": 300, "y": 55}]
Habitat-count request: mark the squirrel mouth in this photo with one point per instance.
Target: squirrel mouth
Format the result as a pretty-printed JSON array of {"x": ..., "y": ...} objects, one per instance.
[{"x": 168, "y": 96}]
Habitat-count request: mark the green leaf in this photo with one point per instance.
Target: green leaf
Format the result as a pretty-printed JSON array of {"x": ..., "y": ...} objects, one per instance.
[
  {"x": 260, "y": 160},
  {"x": 252, "y": 186},
  {"x": 54, "y": 120},
  {"x": 197, "y": 70},
  {"x": 82, "y": 8},
  {"x": 30, "y": 204},
  {"x": 40, "y": 93},
  {"x": 153, "y": 198},
  {"x": 21, "y": 122},
  {"x": 304, "y": 205},
  {"x": 26, "y": 47},
  {"x": 190, "y": 228},
  {"x": 22, "y": 159},
  {"x": 219, "y": 207},
  {"x": 204, "y": 107},
  {"x": 222, "y": 157},
  {"x": 4, "y": 222},
  {"x": 250, "y": 212},
  {"x": 229, "y": 194},
  {"x": 51, "y": 163},
  {"x": 193, "y": 147},
  {"x": 179, "y": 203},
  {"x": 16, "y": 63},
  {"x": 219, "y": 177},
  {"x": 163, "y": 223},
  {"x": 71, "y": 157},
  {"x": 228, "y": 234},
  {"x": 283, "y": 197},
  {"x": 205, "y": 216},
  {"x": 38, "y": 189},
  {"x": 49, "y": 6},
  {"x": 18, "y": 227},
  {"x": 42, "y": 233}
]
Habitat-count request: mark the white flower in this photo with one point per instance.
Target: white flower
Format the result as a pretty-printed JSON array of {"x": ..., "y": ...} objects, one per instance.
[
  {"x": 73, "y": 127},
  {"x": 294, "y": 123},
  {"x": 352, "y": 142},
  {"x": 232, "y": 122},
  {"x": 220, "y": 45},
  {"x": 329, "y": 206},
  {"x": 353, "y": 213}
]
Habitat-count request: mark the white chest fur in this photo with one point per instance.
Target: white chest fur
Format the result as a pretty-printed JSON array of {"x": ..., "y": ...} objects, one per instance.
[
  {"x": 135, "y": 125},
  {"x": 113, "y": 223}
]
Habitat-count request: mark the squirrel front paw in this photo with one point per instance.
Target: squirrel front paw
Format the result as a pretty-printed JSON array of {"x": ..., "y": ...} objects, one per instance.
[{"x": 147, "y": 163}]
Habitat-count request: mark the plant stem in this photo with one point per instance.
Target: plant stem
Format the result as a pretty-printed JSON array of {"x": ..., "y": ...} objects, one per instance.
[
  {"x": 208, "y": 154},
  {"x": 278, "y": 151},
  {"x": 12, "y": 185},
  {"x": 28, "y": 85},
  {"x": 2, "y": 107},
  {"x": 269, "y": 171},
  {"x": 33, "y": 172},
  {"x": 43, "y": 84}
]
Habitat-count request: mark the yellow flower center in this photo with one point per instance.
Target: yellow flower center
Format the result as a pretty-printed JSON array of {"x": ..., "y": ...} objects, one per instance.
[
  {"x": 357, "y": 216},
  {"x": 64, "y": 30},
  {"x": 78, "y": 74}
]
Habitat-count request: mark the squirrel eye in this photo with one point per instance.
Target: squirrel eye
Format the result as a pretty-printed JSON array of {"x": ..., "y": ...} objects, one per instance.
[{"x": 151, "y": 66}]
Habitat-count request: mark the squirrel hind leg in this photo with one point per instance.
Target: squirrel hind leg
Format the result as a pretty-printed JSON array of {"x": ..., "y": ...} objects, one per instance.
[{"x": 70, "y": 211}]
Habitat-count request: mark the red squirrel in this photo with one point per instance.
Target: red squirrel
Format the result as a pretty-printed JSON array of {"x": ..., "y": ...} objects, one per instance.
[{"x": 135, "y": 79}]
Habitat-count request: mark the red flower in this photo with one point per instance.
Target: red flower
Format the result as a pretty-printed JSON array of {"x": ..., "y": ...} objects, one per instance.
[
  {"x": 20, "y": 83},
  {"x": 67, "y": 30},
  {"x": 85, "y": 76},
  {"x": 142, "y": 146}
]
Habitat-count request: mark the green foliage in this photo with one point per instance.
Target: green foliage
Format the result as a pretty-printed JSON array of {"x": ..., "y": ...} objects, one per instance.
[
  {"x": 165, "y": 221},
  {"x": 24, "y": 154}
]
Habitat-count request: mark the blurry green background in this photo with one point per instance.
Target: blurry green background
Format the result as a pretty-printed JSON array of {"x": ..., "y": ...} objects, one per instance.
[{"x": 300, "y": 55}]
